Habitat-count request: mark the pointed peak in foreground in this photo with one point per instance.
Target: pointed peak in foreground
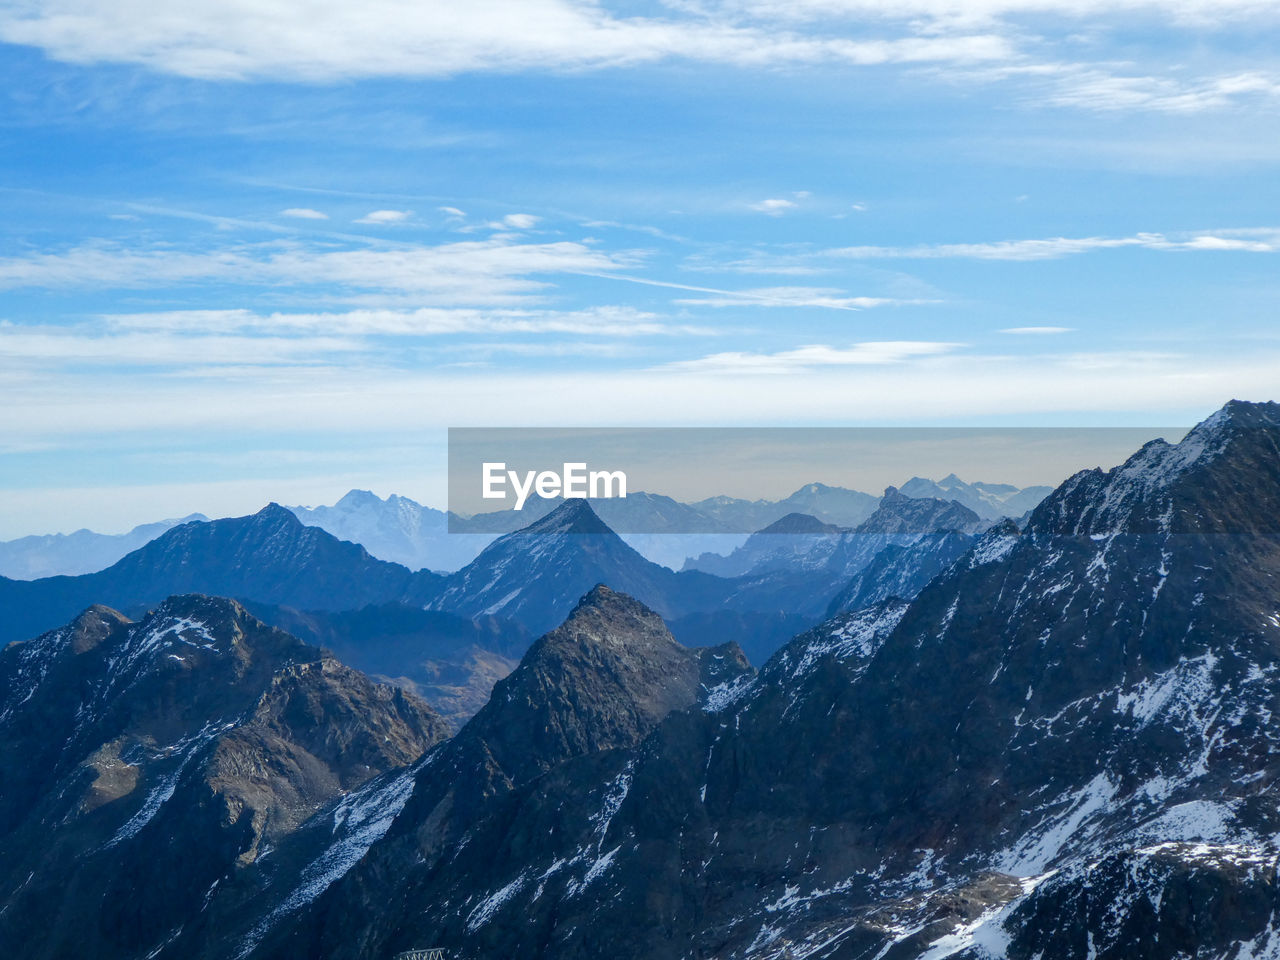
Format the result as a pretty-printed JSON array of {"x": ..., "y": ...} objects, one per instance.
[
  {"x": 618, "y": 620},
  {"x": 603, "y": 679},
  {"x": 602, "y": 599},
  {"x": 572, "y": 516}
]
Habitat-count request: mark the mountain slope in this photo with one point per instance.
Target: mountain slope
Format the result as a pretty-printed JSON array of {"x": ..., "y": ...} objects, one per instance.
[{"x": 145, "y": 763}]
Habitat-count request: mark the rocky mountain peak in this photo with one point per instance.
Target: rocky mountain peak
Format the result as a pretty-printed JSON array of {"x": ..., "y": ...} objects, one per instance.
[
  {"x": 605, "y": 616},
  {"x": 1209, "y": 481},
  {"x": 900, "y": 514},
  {"x": 93, "y": 626},
  {"x": 573, "y": 516},
  {"x": 603, "y": 679}
]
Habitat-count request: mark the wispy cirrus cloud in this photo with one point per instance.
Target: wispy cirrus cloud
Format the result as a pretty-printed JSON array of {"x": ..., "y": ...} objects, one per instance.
[
  {"x": 245, "y": 339},
  {"x": 490, "y": 272},
  {"x": 329, "y": 40},
  {"x": 828, "y": 297},
  {"x": 1016, "y": 43},
  {"x": 600, "y": 321},
  {"x": 87, "y": 347},
  {"x": 869, "y": 353},
  {"x": 1194, "y": 13},
  {"x": 1242, "y": 241}
]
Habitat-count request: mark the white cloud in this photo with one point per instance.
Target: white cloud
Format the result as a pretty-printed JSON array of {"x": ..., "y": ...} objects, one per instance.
[
  {"x": 1037, "y": 331},
  {"x": 329, "y": 39},
  {"x": 244, "y": 340},
  {"x": 304, "y": 213},
  {"x": 384, "y": 217},
  {"x": 871, "y": 353},
  {"x": 452, "y": 211},
  {"x": 774, "y": 206},
  {"x": 981, "y": 41},
  {"x": 520, "y": 221}
]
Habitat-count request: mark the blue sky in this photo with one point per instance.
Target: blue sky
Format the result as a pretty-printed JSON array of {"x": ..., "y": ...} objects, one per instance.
[{"x": 272, "y": 250}]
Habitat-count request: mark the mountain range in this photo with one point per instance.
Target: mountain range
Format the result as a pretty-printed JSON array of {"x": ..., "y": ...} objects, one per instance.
[
  {"x": 297, "y": 576},
  {"x": 1050, "y": 738},
  {"x": 1063, "y": 747},
  {"x": 400, "y": 530}
]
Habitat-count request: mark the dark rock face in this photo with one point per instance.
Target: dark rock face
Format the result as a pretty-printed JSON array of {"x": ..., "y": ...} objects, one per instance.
[
  {"x": 1068, "y": 738},
  {"x": 145, "y": 763},
  {"x": 270, "y": 557},
  {"x": 1164, "y": 901}
]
